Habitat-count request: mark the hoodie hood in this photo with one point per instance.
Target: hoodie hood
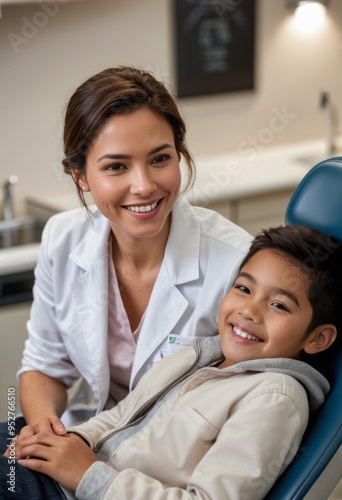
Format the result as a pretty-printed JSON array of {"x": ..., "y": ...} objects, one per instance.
[{"x": 316, "y": 385}]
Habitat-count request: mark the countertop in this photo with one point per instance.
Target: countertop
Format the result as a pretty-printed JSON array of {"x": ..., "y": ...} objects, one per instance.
[
  {"x": 18, "y": 259},
  {"x": 238, "y": 175}
]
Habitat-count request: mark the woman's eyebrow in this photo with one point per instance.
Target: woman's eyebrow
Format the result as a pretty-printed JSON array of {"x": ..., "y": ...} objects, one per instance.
[
  {"x": 113, "y": 156},
  {"x": 160, "y": 148},
  {"x": 118, "y": 156}
]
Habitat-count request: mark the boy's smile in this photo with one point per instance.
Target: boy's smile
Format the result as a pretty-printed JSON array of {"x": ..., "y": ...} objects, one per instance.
[{"x": 267, "y": 312}]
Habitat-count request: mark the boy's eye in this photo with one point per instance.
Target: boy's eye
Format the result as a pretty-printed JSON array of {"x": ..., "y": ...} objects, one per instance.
[
  {"x": 160, "y": 158},
  {"x": 242, "y": 288},
  {"x": 280, "y": 305}
]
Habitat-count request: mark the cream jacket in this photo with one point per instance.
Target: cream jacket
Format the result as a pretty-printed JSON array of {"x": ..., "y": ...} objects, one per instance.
[
  {"x": 217, "y": 434},
  {"x": 68, "y": 326}
]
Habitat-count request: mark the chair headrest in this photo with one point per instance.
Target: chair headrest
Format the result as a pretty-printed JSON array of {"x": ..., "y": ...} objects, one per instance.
[{"x": 317, "y": 201}]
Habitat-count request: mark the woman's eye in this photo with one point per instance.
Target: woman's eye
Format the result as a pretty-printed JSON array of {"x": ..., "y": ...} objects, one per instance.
[
  {"x": 160, "y": 159},
  {"x": 115, "y": 167}
]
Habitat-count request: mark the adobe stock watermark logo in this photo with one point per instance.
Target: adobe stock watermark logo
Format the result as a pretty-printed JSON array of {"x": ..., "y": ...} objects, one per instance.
[
  {"x": 30, "y": 27},
  {"x": 248, "y": 149},
  {"x": 278, "y": 122}
]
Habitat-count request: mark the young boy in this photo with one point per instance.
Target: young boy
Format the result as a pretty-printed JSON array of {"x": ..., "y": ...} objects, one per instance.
[{"x": 221, "y": 419}]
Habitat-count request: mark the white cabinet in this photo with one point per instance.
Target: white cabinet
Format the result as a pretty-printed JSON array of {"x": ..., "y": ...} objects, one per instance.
[
  {"x": 255, "y": 212},
  {"x": 13, "y": 334}
]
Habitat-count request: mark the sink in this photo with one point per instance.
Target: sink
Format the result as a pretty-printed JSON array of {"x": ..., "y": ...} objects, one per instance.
[{"x": 20, "y": 231}]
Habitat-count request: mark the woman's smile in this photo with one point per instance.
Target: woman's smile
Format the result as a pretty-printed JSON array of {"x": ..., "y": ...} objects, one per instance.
[{"x": 142, "y": 208}]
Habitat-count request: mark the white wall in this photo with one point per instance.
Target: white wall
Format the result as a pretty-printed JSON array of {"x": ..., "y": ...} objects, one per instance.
[{"x": 41, "y": 68}]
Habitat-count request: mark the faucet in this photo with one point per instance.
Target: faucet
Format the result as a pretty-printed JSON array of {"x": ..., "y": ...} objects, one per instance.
[
  {"x": 8, "y": 208},
  {"x": 7, "y": 236},
  {"x": 325, "y": 102}
]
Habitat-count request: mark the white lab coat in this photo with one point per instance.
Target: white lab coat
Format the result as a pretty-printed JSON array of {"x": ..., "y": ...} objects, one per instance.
[{"x": 68, "y": 326}]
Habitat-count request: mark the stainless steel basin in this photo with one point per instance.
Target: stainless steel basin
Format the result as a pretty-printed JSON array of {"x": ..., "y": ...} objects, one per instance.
[{"x": 20, "y": 231}]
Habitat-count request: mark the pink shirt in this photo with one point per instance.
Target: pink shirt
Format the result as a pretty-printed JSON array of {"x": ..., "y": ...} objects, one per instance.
[{"x": 121, "y": 341}]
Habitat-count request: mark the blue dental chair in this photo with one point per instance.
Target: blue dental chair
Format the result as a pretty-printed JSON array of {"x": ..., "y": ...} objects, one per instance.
[{"x": 317, "y": 468}]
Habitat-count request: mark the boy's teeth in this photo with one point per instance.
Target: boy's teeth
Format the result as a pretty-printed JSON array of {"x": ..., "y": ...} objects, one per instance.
[
  {"x": 245, "y": 335},
  {"x": 143, "y": 208}
]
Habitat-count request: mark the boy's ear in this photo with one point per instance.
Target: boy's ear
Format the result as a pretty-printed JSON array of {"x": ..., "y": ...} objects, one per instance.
[{"x": 320, "y": 339}]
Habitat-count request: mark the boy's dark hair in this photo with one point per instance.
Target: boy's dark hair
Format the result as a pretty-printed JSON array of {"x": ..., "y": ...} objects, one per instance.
[{"x": 320, "y": 258}]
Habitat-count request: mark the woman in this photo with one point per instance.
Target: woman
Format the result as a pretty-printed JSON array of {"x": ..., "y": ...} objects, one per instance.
[{"x": 124, "y": 283}]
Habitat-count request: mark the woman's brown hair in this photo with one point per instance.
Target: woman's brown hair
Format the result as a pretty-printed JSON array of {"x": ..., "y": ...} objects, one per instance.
[{"x": 117, "y": 91}]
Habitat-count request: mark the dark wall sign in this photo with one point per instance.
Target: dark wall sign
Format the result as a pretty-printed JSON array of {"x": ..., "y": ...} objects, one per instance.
[{"x": 214, "y": 46}]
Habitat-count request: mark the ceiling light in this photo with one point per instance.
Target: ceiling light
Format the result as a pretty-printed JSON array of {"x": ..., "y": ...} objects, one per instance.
[{"x": 308, "y": 14}]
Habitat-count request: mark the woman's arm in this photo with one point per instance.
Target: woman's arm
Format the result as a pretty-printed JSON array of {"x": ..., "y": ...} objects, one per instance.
[
  {"x": 42, "y": 396},
  {"x": 43, "y": 400},
  {"x": 46, "y": 368}
]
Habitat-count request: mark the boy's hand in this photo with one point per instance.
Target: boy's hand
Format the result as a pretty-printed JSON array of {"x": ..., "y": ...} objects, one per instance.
[
  {"x": 64, "y": 458},
  {"x": 47, "y": 424}
]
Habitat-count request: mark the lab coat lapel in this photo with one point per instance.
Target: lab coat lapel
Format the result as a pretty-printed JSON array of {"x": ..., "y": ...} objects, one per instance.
[
  {"x": 166, "y": 307},
  {"x": 181, "y": 265}
]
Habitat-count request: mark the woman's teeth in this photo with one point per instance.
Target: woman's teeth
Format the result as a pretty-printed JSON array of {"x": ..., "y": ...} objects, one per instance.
[
  {"x": 244, "y": 335},
  {"x": 143, "y": 208}
]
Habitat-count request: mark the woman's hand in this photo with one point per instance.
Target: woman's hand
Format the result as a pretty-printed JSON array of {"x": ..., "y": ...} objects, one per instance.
[
  {"x": 64, "y": 458},
  {"x": 50, "y": 425}
]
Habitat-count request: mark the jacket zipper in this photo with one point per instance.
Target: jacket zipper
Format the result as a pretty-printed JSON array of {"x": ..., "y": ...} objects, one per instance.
[{"x": 135, "y": 418}]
